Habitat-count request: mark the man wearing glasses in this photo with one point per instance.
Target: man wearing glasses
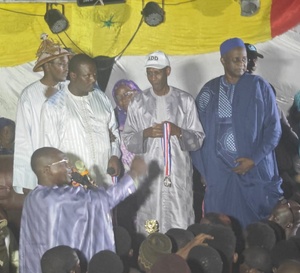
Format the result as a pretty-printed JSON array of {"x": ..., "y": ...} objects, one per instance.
[
  {"x": 53, "y": 61},
  {"x": 57, "y": 213},
  {"x": 237, "y": 160}
]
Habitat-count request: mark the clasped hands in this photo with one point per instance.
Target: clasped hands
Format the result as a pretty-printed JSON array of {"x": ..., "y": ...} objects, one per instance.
[{"x": 157, "y": 130}]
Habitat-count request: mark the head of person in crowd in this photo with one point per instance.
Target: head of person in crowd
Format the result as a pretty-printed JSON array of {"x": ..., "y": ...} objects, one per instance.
[
  {"x": 234, "y": 59},
  {"x": 194, "y": 228},
  {"x": 259, "y": 234},
  {"x": 124, "y": 248},
  {"x": 278, "y": 230},
  {"x": 179, "y": 238},
  {"x": 53, "y": 60},
  {"x": 256, "y": 260},
  {"x": 158, "y": 70},
  {"x": 152, "y": 248},
  {"x": 82, "y": 74},
  {"x": 60, "y": 259},
  {"x": 223, "y": 219},
  {"x": 170, "y": 263},
  {"x": 204, "y": 259},
  {"x": 105, "y": 261},
  {"x": 284, "y": 250},
  {"x": 216, "y": 218},
  {"x": 123, "y": 91},
  {"x": 252, "y": 56},
  {"x": 287, "y": 214},
  {"x": 289, "y": 266},
  {"x": 7, "y": 136},
  {"x": 122, "y": 240},
  {"x": 51, "y": 167},
  {"x": 224, "y": 242}
]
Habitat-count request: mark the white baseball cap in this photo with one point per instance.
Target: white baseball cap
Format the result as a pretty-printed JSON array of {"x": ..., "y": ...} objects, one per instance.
[{"x": 158, "y": 60}]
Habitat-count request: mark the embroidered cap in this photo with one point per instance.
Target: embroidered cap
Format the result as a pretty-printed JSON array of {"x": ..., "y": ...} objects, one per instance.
[
  {"x": 230, "y": 44},
  {"x": 158, "y": 60},
  {"x": 153, "y": 247},
  {"x": 48, "y": 51}
]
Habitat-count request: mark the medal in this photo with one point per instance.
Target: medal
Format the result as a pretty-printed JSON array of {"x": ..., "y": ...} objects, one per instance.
[{"x": 167, "y": 181}]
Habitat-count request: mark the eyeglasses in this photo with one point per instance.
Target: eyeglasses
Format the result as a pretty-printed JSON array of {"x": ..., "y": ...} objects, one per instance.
[{"x": 66, "y": 161}]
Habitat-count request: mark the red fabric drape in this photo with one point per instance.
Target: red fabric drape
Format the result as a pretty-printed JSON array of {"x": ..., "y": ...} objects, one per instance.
[{"x": 285, "y": 14}]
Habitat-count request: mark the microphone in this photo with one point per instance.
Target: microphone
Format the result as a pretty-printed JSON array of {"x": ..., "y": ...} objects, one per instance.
[
  {"x": 82, "y": 176},
  {"x": 78, "y": 178}
]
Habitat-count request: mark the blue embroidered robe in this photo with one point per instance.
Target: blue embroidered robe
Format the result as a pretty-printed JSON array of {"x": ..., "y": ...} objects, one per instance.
[{"x": 256, "y": 128}]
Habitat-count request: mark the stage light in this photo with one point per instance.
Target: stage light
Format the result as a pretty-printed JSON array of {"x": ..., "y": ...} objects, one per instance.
[
  {"x": 56, "y": 20},
  {"x": 153, "y": 14},
  {"x": 249, "y": 7}
]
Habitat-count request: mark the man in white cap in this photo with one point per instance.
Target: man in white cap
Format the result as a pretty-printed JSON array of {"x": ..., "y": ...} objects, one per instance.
[
  {"x": 240, "y": 118},
  {"x": 162, "y": 124},
  {"x": 53, "y": 61}
]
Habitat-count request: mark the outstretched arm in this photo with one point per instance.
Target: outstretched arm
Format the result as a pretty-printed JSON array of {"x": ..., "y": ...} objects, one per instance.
[{"x": 198, "y": 240}]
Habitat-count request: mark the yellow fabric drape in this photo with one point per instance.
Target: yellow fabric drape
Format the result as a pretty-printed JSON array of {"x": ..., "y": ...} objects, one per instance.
[{"x": 190, "y": 27}]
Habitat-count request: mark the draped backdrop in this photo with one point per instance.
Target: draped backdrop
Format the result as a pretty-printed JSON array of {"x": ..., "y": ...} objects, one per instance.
[
  {"x": 190, "y": 34},
  {"x": 190, "y": 27}
]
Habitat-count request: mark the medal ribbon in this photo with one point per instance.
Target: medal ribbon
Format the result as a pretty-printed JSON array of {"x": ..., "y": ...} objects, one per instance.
[
  {"x": 167, "y": 148},
  {"x": 114, "y": 180}
]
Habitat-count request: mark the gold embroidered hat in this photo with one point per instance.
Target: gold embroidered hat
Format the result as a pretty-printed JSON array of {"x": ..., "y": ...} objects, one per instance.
[
  {"x": 152, "y": 248},
  {"x": 48, "y": 51}
]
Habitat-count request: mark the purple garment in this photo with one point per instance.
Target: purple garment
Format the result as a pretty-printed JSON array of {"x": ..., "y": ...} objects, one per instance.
[
  {"x": 121, "y": 113},
  {"x": 256, "y": 126},
  {"x": 70, "y": 216},
  {"x": 121, "y": 116}
]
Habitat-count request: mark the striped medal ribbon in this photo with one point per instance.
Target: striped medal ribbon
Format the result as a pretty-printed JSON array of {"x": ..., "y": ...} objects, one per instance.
[{"x": 167, "y": 154}]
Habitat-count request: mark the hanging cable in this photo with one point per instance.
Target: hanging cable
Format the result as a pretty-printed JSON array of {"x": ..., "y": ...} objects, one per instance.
[
  {"x": 118, "y": 56},
  {"x": 73, "y": 42}
]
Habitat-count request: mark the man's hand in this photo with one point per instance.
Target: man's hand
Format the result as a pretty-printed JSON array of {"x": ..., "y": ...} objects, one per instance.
[
  {"x": 198, "y": 240},
  {"x": 245, "y": 164},
  {"x": 114, "y": 163},
  {"x": 157, "y": 130},
  {"x": 175, "y": 130},
  {"x": 138, "y": 167}
]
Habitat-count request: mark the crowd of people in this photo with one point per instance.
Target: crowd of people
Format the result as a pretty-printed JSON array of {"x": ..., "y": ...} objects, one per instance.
[{"x": 130, "y": 206}]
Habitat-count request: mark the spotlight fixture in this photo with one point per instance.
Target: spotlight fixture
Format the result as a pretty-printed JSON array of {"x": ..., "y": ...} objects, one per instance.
[
  {"x": 55, "y": 19},
  {"x": 249, "y": 7},
  {"x": 153, "y": 14}
]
